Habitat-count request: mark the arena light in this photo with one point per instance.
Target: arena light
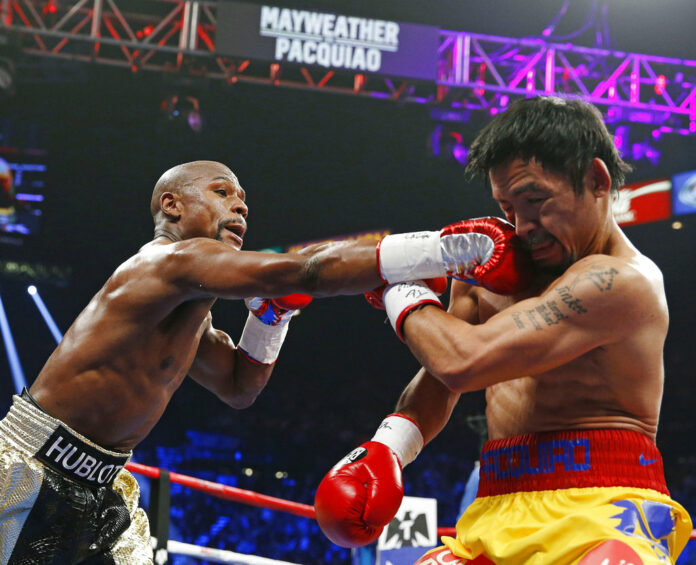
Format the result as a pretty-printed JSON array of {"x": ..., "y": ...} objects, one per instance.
[
  {"x": 45, "y": 314},
  {"x": 15, "y": 366},
  {"x": 621, "y": 139},
  {"x": 644, "y": 150},
  {"x": 183, "y": 109},
  {"x": 50, "y": 7},
  {"x": 447, "y": 143},
  {"x": 660, "y": 84}
]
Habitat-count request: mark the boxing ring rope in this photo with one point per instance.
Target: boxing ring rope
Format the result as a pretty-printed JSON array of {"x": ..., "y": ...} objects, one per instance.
[
  {"x": 245, "y": 497},
  {"x": 218, "y": 555},
  {"x": 227, "y": 492}
]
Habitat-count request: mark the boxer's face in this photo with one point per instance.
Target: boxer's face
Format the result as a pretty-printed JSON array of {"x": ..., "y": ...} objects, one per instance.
[
  {"x": 215, "y": 206},
  {"x": 556, "y": 224}
]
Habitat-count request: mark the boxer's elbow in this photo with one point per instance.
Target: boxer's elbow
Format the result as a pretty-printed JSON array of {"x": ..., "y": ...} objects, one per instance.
[
  {"x": 454, "y": 376},
  {"x": 246, "y": 384},
  {"x": 458, "y": 371},
  {"x": 239, "y": 402},
  {"x": 238, "y": 397}
]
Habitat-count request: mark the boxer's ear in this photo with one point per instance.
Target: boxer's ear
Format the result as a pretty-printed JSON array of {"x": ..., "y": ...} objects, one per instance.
[
  {"x": 599, "y": 178},
  {"x": 171, "y": 206}
]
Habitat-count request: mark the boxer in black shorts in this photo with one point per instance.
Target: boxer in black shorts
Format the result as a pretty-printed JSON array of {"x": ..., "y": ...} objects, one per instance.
[{"x": 64, "y": 496}]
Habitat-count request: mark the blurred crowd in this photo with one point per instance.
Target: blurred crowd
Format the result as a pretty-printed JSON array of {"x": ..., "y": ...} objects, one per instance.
[{"x": 201, "y": 519}]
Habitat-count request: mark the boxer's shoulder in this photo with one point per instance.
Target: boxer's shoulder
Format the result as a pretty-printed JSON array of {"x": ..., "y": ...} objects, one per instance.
[
  {"x": 174, "y": 259},
  {"x": 624, "y": 291},
  {"x": 605, "y": 273}
]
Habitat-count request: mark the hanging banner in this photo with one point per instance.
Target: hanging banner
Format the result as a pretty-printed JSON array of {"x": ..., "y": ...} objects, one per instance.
[
  {"x": 411, "y": 533},
  {"x": 326, "y": 39},
  {"x": 642, "y": 202},
  {"x": 684, "y": 193}
]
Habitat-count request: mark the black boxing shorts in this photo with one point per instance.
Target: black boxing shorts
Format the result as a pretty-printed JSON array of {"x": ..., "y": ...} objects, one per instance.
[{"x": 63, "y": 498}]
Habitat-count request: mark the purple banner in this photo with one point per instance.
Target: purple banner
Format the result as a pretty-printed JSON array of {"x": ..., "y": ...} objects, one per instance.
[{"x": 325, "y": 39}]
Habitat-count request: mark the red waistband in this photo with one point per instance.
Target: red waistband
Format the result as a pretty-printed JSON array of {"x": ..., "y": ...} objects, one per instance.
[{"x": 571, "y": 459}]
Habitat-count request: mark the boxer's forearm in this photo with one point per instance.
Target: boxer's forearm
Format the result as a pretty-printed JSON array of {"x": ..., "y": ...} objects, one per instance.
[
  {"x": 428, "y": 402},
  {"x": 345, "y": 267},
  {"x": 249, "y": 380},
  {"x": 223, "y": 370}
]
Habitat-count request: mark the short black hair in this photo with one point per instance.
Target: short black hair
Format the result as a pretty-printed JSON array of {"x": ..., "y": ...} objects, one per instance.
[{"x": 564, "y": 135}]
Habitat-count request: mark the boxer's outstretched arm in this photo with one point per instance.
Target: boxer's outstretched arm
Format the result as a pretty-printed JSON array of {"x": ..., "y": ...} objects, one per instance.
[
  {"x": 210, "y": 268},
  {"x": 222, "y": 369},
  {"x": 484, "y": 249},
  {"x": 598, "y": 301}
]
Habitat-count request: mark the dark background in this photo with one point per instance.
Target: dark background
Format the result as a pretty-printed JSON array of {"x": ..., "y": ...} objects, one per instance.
[{"x": 314, "y": 165}]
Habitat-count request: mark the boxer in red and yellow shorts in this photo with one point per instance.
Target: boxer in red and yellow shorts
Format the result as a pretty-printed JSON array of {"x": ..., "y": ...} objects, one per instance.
[{"x": 590, "y": 497}]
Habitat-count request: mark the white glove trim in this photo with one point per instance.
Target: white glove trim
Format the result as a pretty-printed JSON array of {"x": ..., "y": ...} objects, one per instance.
[
  {"x": 402, "y": 435},
  {"x": 260, "y": 341},
  {"x": 410, "y": 256},
  {"x": 401, "y": 299}
]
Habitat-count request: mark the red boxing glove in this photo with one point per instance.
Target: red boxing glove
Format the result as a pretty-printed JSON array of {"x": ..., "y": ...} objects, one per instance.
[
  {"x": 292, "y": 301},
  {"x": 483, "y": 251},
  {"x": 376, "y": 299},
  {"x": 360, "y": 495},
  {"x": 275, "y": 311},
  {"x": 363, "y": 491},
  {"x": 508, "y": 268}
]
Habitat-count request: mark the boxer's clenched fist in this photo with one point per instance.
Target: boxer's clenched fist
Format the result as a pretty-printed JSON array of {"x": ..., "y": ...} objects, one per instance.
[
  {"x": 484, "y": 251},
  {"x": 361, "y": 494},
  {"x": 267, "y": 325},
  {"x": 375, "y": 297}
]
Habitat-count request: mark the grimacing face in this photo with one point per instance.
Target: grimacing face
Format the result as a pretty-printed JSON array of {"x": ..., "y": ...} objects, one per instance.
[{"x": 557, "y": 225}]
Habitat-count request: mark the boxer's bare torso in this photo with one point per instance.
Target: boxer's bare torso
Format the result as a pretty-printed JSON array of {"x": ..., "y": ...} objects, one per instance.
[
  {"x": 581, "y": 349},
  {"x": 149, "y": 326},
  {"x": 119, "y": 364},
  {"x": 616, "y": 385}
]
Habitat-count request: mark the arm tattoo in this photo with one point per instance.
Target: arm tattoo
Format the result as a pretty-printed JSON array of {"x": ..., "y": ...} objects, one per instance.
[
  {"x": 603, "y": 279},
  {"x": 569, "y": 300},
  {"x": 549, "y": 313},
  {"x": 311, "y": 272}
]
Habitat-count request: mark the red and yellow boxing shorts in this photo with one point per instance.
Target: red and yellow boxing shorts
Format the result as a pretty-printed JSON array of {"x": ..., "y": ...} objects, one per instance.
[{"x": 590, "y": 497}]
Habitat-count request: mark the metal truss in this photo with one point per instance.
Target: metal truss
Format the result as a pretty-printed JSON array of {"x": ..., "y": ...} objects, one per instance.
[
  {"x": 475, "y": 71},
  {"x": 635, "y": 87},
  {"x": 171, "y": 36}
]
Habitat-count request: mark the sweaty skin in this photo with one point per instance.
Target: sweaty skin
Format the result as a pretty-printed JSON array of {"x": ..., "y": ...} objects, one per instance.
[
  {"x": 581, "y": 349},
  {"x": 150, "y": 324}
]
